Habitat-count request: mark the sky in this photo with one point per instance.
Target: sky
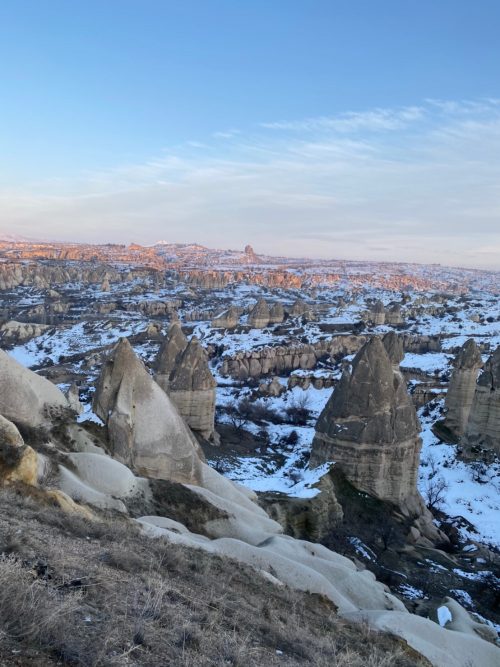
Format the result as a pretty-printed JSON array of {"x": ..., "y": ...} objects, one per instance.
[{"x": 347, "y": 129}]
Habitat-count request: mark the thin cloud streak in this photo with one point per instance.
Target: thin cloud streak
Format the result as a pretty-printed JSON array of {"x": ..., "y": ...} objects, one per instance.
[{"x": 420, "y": 183}]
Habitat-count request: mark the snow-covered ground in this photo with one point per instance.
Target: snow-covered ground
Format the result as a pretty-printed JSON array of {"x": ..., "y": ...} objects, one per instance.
[{"x": 470, "y": 490}]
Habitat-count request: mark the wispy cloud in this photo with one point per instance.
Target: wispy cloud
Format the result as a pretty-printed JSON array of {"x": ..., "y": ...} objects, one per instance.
[{"x": 418, "y": 183}]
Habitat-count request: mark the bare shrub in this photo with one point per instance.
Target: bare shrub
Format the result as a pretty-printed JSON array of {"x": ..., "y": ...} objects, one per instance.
[{"x": 298, "y": 412}]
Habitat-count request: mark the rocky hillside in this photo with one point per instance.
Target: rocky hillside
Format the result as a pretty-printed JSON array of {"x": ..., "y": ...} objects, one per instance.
[{"x": 229, "y": 451}]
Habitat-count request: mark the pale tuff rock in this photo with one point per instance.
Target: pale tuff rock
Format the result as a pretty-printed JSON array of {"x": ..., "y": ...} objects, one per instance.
[
  {"x": 273, "y": 388},
  {"x": 18, "y": 462},
  {"x": 20, "y": 332},
  {"x": 135, "y": 408},
  {"x": 461, "y": 389},
  {"x": 259, "y": 315},
  {"x": 369, "y": 427},
  {"x": 282, "y": 359},
  {"x": 169, "y": 355},
  {"x": 483, "y": 427},
  {"x": 276, "y": 313},
  {"x": 145, "y": 430},
  {"x": 228, "y": 319},
  {"x": 27, "y": 399},
  {"x": 192, "y": 389},
  {"x": 182, "y": 371}
]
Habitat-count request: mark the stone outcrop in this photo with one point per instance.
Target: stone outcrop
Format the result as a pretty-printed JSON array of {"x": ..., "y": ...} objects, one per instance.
[
  {"x": 377, "y": 313},
  {"x": 27, "y": 399},
  {"x": 273, "y": 388},
  {"x": 182, "y": 371},
  {"x": 419, "y": 344},
  {"x": 169, "y": 355},
  {"x": 276, "y": 313},
  {"x": 299, "y": 309},
  {"x": 394, "y": 316},
  {"x": 258, "y": 317},
  {"x": 18, "y": 462},
  {"x": 369, "y": 427},
  {"x": 13, "y": 332},
  {"x": 304, "y": 380},
  {"x": 192, "y": 389},
  {"x": 228, "y": 319},
  {"x": 483, "y": 426},
  {"x": 145, "y": 430},
  {"x": 462, "y": 388},
  {"x": 282, "y": 359}
]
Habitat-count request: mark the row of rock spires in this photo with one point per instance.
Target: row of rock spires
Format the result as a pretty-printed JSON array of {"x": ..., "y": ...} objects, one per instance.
[
  {"x": 148, "y": 440},
  {"x": 283, "y": 359},
  {"x": 262, "y": 314},
  {"x": 44, "y": 276},
  {"x": 379, "y": 314},
  {"x": 472, "y": 404}
]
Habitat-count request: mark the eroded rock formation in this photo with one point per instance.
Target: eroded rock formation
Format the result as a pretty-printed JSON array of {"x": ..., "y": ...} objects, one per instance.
[
  {"x": 145, "y": 430},
  {"x": 192, "y": 389},
  {"x": 182, "y": 372},
  {"x": 228, "y": 319},
  {"x": 369, "y": 427},
  {"x": 258, "y": 317},
  {"x": 483, "y": 426},
  {"x": 462, "y": 388}
]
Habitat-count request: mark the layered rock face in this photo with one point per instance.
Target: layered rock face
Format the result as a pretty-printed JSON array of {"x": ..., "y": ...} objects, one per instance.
[
  {"x": 182, "y": 371},
  {"x": 369, "y": 427},
  {"x": 483, "y": 427},
  {"x": 259, "y": 315},
  {"x": 462, "y": 388},
  {"x": 145, "y": 430}
]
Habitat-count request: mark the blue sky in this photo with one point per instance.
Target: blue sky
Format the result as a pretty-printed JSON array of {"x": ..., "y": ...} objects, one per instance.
[{"x": 355, "y": 129}]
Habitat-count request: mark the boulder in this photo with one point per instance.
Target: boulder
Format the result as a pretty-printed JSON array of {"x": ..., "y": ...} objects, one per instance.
[
  {"x": 27, "y": 399},
  {"x": 18, "y": 462}
]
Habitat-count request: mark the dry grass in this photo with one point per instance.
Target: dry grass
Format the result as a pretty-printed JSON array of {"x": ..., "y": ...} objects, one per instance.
[{"x": 77, "y": 593}]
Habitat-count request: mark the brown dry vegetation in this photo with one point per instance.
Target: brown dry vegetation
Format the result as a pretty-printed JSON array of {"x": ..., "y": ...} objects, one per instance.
[{"x": 74, "y": 592}]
